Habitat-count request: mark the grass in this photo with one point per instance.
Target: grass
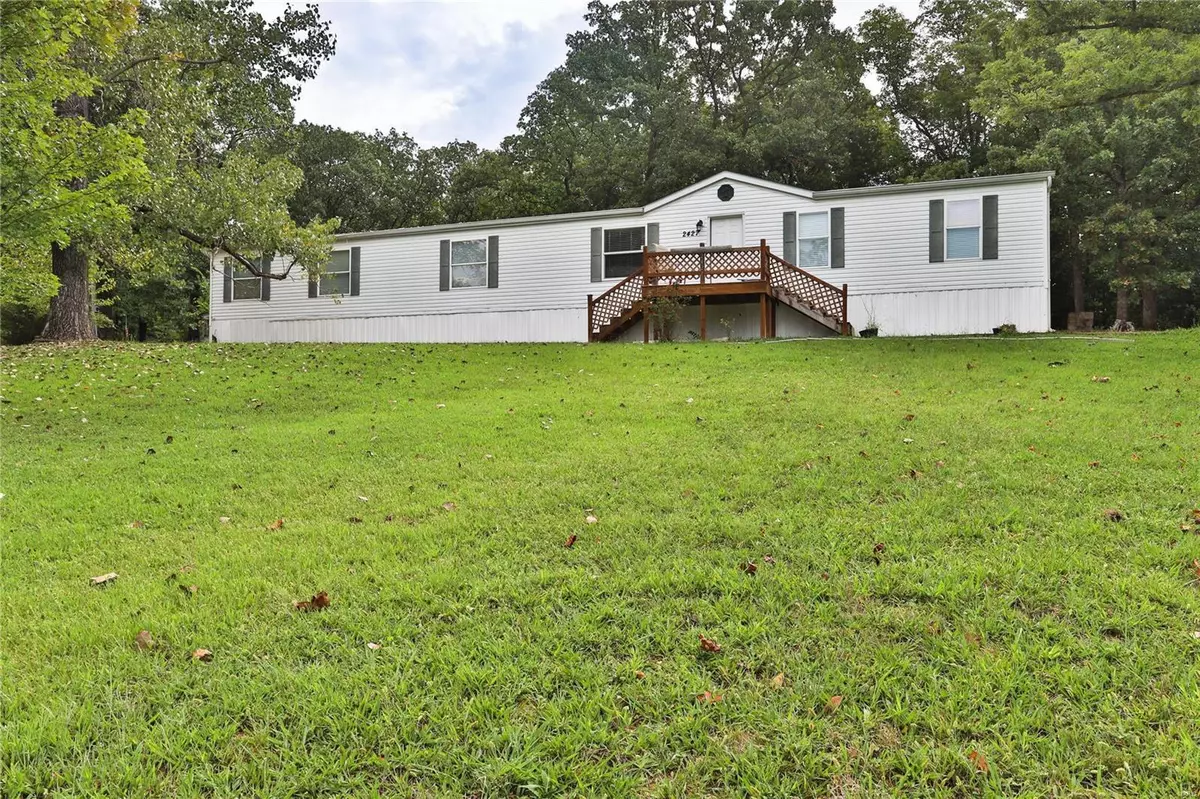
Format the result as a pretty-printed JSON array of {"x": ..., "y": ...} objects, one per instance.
[{"x": 934, "y": 511}]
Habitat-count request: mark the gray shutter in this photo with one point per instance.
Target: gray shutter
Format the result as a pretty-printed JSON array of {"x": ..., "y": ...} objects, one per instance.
[
  {"x": 837, "y": 237},
  {"x": 651, "y": 234},
  {"x": 264, "y": 266},
  {"x": 937, "y": 231},
  {"x": 312, "y": 285},
  {"x": 991, "y": 226},
  {"x": 789, "y": 236},
  {"x": 597, "y": 254},
  {"x": 354, "y": 262},
  {"x": 228, "y": 296},
  {"x": 444, "y": 271},
  {"x": 493, "y": 261}
]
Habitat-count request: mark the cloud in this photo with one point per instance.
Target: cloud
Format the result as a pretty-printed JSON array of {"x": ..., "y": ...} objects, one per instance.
[
  {"x": 455, "y": 69},
  {"x": 440, "y": 71}
]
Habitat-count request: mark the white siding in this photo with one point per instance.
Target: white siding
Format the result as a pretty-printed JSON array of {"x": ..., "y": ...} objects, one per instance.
[{"x": 544, "y": 272}]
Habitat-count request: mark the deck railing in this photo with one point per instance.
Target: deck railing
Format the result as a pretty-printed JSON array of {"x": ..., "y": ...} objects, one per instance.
[
  {"x": 685, "y": 270},
  {"x": 702, "y": 265}
]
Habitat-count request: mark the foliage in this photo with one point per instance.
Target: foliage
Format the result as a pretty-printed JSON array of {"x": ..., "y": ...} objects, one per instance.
[
  {"x": 1113, "y": 93},
  {"x": 171, "y": 113},
  {"x": 48, "y": 53},
  {"x": 956, "y": 583}
]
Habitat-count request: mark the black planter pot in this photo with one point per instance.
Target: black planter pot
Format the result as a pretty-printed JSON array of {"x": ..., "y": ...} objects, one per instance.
[{"x": 869, "y": 332}]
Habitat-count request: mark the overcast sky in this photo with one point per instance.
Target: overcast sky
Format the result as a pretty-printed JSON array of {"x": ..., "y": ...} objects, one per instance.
[{"x": 455, "y": 69}]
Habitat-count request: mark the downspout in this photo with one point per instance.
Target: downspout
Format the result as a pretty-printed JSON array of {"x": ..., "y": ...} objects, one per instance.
[{"x": 211, "y": 255}]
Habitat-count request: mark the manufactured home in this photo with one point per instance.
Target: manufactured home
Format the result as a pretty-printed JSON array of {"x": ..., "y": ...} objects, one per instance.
[{"x": 739, "y": 257}]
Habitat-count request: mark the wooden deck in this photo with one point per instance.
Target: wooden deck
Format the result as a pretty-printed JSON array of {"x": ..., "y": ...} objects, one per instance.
[{"x": 745, "y": 274}]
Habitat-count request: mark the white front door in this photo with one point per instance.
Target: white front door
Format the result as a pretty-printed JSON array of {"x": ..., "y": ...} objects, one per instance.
[{"x": 725, "y": 231}]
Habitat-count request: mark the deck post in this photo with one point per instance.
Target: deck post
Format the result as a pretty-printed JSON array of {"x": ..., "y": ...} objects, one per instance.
[
  {"x": 845, "y": 320},
  {"x": 703, "y": 318},
  {"x": 645, "y": 324},
  {"x": 762, "y": 315},
  {"x": 591, "y": 318},
  {"x": 774, "y": 312},
  {"x": 762, "y": 260}
]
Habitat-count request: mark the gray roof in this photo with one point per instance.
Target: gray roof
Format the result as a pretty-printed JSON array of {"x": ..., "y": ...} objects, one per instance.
[{"x": 831, "y": 194}]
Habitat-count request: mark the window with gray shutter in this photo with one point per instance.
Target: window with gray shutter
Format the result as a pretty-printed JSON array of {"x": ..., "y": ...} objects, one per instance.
[
  {"x": 789, "y": 236},
  {"x": 937, "y": 244},
  {"x": 991, "y": 226},
  {"x": 837, "y": 237}
]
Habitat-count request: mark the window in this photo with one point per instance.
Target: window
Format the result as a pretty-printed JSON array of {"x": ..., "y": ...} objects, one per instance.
[
  {"x": 468, "y": 263},
  {"x": 623, "y": 251},
  {"x": 963, "y": 221},
  {"x": 246, "y": 284},
  {"x": 336, "y": 279},
  {"x": 812, "y": 234}
]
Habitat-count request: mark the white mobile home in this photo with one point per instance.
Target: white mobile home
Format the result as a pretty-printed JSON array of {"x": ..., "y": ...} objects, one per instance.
[{"x": 744, "y": 257}]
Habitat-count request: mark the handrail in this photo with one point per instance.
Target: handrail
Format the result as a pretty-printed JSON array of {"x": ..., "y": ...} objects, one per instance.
[
  {"x": 812, "y": 290},
  {"x": 681, "y": 268}
]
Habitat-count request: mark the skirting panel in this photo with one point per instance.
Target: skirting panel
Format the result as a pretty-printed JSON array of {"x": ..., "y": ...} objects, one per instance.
[{"x": 567, "y": 324}]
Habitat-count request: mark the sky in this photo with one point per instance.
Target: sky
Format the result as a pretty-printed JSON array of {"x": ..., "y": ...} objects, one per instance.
[{"x": 454, "y": 69}]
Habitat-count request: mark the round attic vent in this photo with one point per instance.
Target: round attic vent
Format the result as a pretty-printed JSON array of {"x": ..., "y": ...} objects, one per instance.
[{"x": 725, "y": 193}]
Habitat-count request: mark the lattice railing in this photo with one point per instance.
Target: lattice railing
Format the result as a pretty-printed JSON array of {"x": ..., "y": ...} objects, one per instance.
[
  {"x": 808, "y": 288},
  {"x": 614, "y": 303},
  {"x": 705, "y": 265}
]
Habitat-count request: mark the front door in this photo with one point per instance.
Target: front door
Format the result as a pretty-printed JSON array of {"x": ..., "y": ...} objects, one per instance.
[{"x": 725, "y": 231}]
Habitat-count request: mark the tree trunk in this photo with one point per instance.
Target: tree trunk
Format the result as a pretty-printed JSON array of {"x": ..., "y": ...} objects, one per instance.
[
  {"x": 70, "y": 317},
  {"x": 1149, "y": 307},
  {"x": 1122, "y": 303},
  {"x": 1077, "y": 299}
]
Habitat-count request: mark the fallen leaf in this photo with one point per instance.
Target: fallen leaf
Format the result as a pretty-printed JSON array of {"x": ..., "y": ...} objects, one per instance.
[
  {"x": 908, "y": 441},
  {"x": 276, "y": 525},
  {"x": 1094, "y": 464},
  {"x": 202, "y": 654},
  {"x": 768, "y": 559},
  {"x": 833, "y": 704},
  {"x": 709, "y": 698},
  {"x": 354, "y": 520},
  {"x": 777, "y": 680},
  {"x": 908, "y": 417},
  {"x": 749, "y": 567},
  {"x": 449, "y": 506},
  {"x": 143, "y": 640},
  {"x": 320, "y": 601},
  {"x": 641, "y": 675},
  {"x": 591, "y": 519},
  {"x": 863, "y": 453},
  {"x": 363, "y": 499},
  {"x": 879, "y": 548},
  {"x": 1135, "y": 457},
  {"x": 104, "y": 578},
  {"x": 1196, "y": 567},
  {"x": 709, "y": 645},
  {"x": 441, "y": 405},
  {"x": 915, "y": 474},
  {"x": 189, "y": 589},
  {"x": 1113, "y": 515},
  {"x": 170, "y": 439},
  {"x": 571, "y": 539},
  {"x": 223, "y": 519},
  {"x": 978, "y": 759},
  {"x": 1099, "y": 379},
  {"x": 373, "y": 645},
  {"x": 389, "y": 518}
]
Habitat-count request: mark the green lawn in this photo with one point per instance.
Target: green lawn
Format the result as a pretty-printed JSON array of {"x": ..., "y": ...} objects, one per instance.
[{"x": 927, "y": 519}]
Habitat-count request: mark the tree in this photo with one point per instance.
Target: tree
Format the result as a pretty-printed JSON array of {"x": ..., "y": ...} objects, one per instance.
[
  {"x": 195, "y": 95},
  {"x": 1112, "y": 89}
]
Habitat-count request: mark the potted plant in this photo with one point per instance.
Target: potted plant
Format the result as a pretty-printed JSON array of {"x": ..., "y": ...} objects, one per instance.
[{"x": 872, "y": 328}]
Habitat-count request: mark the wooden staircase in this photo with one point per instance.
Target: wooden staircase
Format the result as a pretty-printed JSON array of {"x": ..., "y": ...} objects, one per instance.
[{"x": 707, "y": 272}]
